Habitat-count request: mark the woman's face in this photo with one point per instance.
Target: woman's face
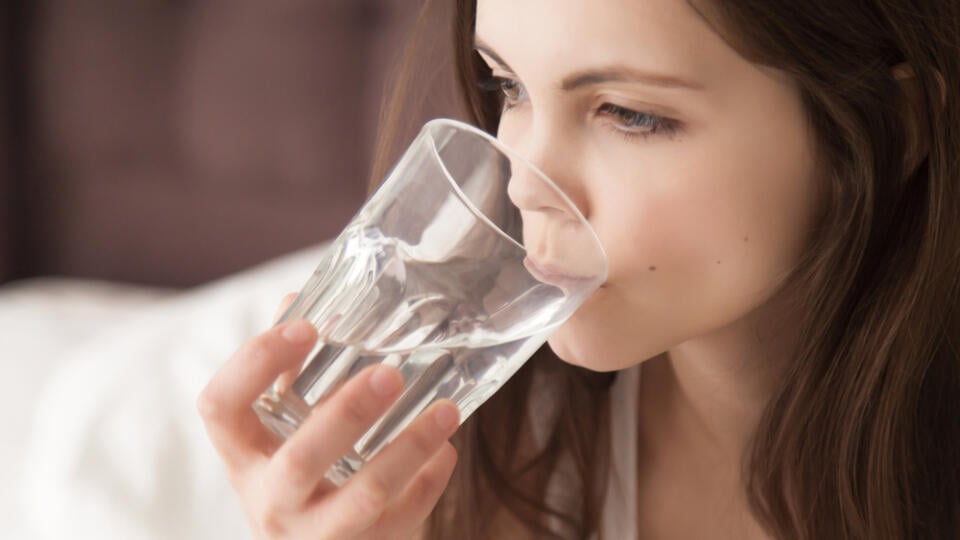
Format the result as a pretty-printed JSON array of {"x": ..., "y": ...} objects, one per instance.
[{"x": 694, "y": 166}]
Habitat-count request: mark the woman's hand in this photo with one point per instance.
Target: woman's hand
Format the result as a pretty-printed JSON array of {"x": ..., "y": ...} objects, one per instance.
[{"x": 282, "y": 487}]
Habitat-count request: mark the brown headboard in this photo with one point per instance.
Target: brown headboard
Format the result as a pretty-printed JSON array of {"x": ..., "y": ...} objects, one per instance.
[{"x": 172, "y": 143}]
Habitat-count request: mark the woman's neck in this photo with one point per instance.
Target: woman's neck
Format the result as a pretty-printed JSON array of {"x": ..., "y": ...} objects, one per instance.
[
  {"x": 706, "y": 396},
  {"x": 699, "y": 404}
]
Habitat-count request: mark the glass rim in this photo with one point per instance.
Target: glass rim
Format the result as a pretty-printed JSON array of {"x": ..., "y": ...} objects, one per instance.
[{"x": 431, "y": 126}]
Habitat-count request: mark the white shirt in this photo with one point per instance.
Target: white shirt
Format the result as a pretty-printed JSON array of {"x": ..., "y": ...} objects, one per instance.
[
  {"x": 619, "y": 510},
  {"x": 619, "y": 520}
]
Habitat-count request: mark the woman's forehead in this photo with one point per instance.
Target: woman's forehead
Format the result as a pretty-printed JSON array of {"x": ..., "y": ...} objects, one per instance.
[{"x": 661, "y": 36}]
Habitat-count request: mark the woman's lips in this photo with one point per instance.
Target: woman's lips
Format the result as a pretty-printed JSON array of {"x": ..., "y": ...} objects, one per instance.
[{"x": 550, "y": 274}]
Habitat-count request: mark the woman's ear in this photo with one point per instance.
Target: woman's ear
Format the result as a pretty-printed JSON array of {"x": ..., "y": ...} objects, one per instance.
[{"x": 916, "y": 114}]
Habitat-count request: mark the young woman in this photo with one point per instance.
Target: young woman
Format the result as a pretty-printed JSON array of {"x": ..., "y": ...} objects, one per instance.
[{"x": 775, "y": 353}]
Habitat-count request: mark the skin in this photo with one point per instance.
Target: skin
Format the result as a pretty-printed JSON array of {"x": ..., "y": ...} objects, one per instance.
[{"x": 701, "y": 225}]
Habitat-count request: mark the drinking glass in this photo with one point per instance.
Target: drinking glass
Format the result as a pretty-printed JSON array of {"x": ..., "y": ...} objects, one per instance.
[{"x": 454, "y": 271}]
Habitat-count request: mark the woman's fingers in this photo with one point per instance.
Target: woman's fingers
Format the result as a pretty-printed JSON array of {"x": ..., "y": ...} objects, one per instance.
[
  {"x": 225, "y": 402},
  {"x": 413, "y": 507},
  {"x": 283, "y": 485},
  {"x": 284, "y": 304},
  {"x": 362, "y": 501},
  {"x": 285, "y": 379},
  {"x": 298, "y": 466}
]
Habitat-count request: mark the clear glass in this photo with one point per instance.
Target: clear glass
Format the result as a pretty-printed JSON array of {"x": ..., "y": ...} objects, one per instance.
[{"x": 455, "y": 272}]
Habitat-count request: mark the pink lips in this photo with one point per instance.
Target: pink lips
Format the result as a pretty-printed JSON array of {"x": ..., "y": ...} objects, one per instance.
[{"x": 549, "y": 274}]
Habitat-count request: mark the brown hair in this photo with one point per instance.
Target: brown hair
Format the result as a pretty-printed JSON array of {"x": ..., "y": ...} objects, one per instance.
[{"x": 862, "y": 439}]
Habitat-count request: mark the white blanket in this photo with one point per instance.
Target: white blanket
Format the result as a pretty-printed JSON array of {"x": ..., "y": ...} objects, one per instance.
[{"x": 101, "y": 436}]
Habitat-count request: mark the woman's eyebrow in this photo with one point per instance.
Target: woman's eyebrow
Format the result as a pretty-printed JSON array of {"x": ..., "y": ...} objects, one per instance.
[{"x": 613, "y": 73}]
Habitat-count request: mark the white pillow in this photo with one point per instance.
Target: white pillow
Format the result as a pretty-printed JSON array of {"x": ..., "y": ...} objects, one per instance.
[
  {"x": 40, "y": 320},
  {"x": 117, "y": 449}
]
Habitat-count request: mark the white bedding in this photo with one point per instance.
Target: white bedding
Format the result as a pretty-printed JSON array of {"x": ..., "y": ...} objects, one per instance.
[{"x": 101, "y": 436}]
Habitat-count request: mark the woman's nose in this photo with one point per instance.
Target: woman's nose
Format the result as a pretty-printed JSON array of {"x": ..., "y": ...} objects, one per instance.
[{"x": 531, "y": 192}]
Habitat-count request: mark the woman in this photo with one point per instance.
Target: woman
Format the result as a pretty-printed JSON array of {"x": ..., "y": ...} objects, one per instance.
[{"x": 776, "y": 185}]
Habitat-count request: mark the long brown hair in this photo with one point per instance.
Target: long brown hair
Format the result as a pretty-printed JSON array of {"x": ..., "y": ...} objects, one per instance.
[{"x": 862, "y": 439}]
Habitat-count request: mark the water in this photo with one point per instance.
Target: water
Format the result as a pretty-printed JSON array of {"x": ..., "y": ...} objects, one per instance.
[
  {"x": 457, "y": 326},
  {"x": 465, "y": 375}
]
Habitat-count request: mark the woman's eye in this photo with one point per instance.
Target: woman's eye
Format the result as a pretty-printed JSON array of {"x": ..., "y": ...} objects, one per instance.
[
  {"x": 630, "y": 123},
  {"x": 627, "y": 123},
  {"x": 511, "y": 90}
]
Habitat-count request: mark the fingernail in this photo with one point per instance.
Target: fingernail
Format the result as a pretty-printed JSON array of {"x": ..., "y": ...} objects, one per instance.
[
  {"x": 298, "y": 332},
  {"x": 447, "y": 417},
  {"x": 385, "y": 381}
]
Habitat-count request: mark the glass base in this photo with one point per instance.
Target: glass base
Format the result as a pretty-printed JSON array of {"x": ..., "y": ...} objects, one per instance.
[
  {"x": 344, "y": 468},
  {"x": 284, "y": 413}
]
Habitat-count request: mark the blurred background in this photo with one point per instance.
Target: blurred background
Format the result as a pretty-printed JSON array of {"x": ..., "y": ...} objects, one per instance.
[
  {"x": 168, "y": 170},
  {"x": 172, "y": 142}
]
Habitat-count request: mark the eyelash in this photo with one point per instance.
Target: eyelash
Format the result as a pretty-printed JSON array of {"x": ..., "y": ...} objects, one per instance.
[{"x": 656, "y": 125}]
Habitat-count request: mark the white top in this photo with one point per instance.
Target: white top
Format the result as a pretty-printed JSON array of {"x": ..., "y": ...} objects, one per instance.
[{"x": 619, "y": 512}]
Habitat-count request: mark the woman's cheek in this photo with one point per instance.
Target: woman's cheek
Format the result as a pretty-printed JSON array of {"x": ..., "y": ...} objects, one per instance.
[{"x": 655, "y": 232}]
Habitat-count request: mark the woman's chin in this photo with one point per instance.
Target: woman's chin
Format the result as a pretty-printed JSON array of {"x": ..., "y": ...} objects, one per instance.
[
  {"x": 579, "y": 346},
  {"x": 567, "y": 342},
  {"x": 561, "y": 352},
  {"x": 571, "y": 351}
]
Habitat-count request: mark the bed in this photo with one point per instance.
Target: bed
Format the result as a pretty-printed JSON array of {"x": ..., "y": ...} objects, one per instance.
[
  {"x": 169, "y": 170},
  {"x": 102, "y": 439}
]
